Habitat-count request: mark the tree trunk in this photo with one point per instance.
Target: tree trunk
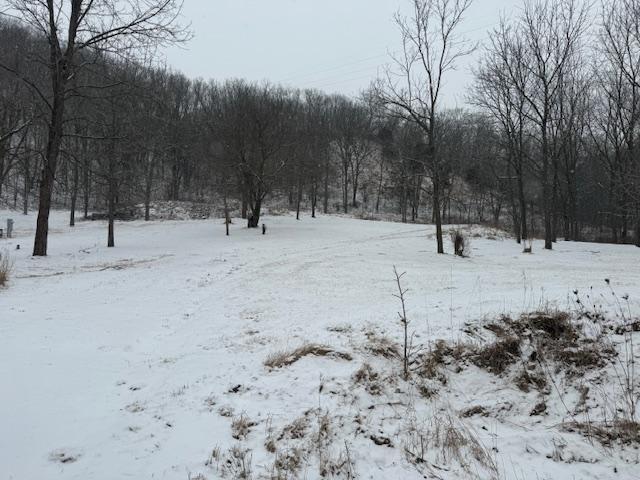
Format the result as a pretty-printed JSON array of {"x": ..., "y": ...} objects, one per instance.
[
  {"x": 112, "y": 207},
  {"x": 48, "y": 175},
  {"x": 25, "y": 195},
  {"x": 314, "y": 197},
  {"x": 546, "y": 191},
  {"x": 227, "y": 220},
  {"x": 15, "y": 194},
  {"x": 86, "y": 186},
  {"x": 148, "y": 188},
  {"x": 438, "y": 218},
  {"x": 523, "y": 207},
  {"x": 59, "y": 80},
  {"x": 245, "y": 205},
  {"x": 298, "y": 200},
  {"x": 74, "y": 195},
  {"x": 345, "y": 186},
  {"x": 355, "y": 177},
  {"x": 325, "y": 200},
  {"x": 254, "y": 217},
  {"x": 379, "y": 194}
]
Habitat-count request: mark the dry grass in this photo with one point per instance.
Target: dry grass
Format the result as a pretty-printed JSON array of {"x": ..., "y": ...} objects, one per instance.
[
  {"x": 287, "y": 464},
  {"x": 461, "y": 242},
  {"x": 236, "y": 464},
  {"x": 382, "y": 346},
  {"x": 533, "y": 340},
  {"x": 429, "y": 364},
  {"x": 241, "y": 427},
  {"x": 528, "y": 379},
  {"x": 6, "y": 267},
  {"x": 496, "y": 357},
  {"x": 551, "y": 335},
  {"x": 296, "y": 430},
  {"x": 607, "y": 433},
  {"x": 447, "y": 441},
  {"x": 286, "y": 358},
  {"x": 369, "y": 379}
]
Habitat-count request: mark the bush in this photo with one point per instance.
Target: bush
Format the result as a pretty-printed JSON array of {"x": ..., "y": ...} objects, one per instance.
[
  {"x": 6, "y": 266},
  {"x": 286, "y": 358},
  {"x": 461, "y": 242},
  {"x": 498, "y": 356}
]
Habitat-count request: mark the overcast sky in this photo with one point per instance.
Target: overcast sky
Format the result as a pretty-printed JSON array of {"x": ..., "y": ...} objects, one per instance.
[{"x": 332, "y": 45}]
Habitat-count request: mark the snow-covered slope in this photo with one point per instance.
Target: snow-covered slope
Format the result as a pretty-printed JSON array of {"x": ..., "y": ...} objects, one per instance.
[{"x": 134, "y": 362}]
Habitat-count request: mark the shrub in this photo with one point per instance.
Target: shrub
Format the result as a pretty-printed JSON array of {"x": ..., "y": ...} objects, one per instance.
[
  {"x": 285, "y": 358},
  {"x": 498, "y": 356},
  {"x": 461, "y": 242},
  {"x": 6, "y": 266}
]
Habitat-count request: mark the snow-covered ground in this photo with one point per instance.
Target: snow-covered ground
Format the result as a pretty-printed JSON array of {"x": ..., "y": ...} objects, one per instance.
[{"x": 134, "y": 362}]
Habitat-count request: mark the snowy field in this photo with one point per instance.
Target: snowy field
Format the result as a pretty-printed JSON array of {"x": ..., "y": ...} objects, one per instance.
[{"x": 146, "y": 360}]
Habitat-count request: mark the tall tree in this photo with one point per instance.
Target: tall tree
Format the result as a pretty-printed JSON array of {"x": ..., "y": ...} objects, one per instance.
[
  {"x": 432, "y": 46},
  {"x": 83, "y": 27}
]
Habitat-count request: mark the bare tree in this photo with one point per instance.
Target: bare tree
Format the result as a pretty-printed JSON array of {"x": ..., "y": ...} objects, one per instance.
[
  {"x": 412, "y": 88},
  {"x": 620, "y": 45},
  {"x": 73, "y": 28},
  {"x": 352, "y": 145},
  {"x": 536, "y": 54},
  {"x": 496, "y": 94}
]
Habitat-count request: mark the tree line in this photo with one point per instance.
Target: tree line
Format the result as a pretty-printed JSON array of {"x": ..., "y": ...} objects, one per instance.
[{"x": 547, "y": 146}]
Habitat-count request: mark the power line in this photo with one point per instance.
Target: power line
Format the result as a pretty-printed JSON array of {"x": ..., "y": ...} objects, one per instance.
[{"x": 338, "y": 67}]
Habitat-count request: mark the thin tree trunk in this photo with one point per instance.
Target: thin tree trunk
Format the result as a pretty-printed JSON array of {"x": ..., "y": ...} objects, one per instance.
[
  {"x": 25, "y": 194},
  {"x": 86, "y": 174},
  {"x": 438, "y": 218},
  {"x": 254, "y": 218},
  {"x": 314, "y": 197},
  {"x": 148, "y": 188},
  {"x": 74, "y": 194},
  {"x": 380, "y": 177},
  {"x": 298, "y": 200},
  {"x": 523, "y": 207},
  {"x": 111, "y": 202},
  {"x": 245, "y": 203},
  {"x": 345, "y": 186},
  {"x": 325, "y": 200}
]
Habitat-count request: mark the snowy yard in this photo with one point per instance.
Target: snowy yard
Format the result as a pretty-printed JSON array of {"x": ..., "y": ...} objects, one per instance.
[{"x": 134, "y": 362}]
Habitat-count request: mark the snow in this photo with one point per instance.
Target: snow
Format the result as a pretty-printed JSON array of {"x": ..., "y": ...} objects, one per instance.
[{"x": 116, "y": 363}]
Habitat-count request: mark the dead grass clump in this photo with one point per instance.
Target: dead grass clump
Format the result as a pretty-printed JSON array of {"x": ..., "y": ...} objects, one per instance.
[
  {"x": 287, "y": 464},
  {"x": 538, "y": 409},
  {"x": 552, "y": 335},
  {"x": 241, "y": 427},
  {"x": 338, "y": 465},
  {"x": 237, "y": 464},
  {"x": 474, "y": 411},
  {"x": 461, "y": 242},
  {"x": 608, "y": 433},
  {"x": 296, "y": 430},
  {"x": 526, "y": 380},
  {"x": 382, "y": 346},
  {"x": 438, "y": 356},
  {"x": 286, "y": 358},
  {"x": 270, "y": 445},
  {"x": 6, "y": 267},
  {"x": 556, "y": 324},
  {"x": 587, "y": 355},
  {"x": 445, "y": 441},
  {"x": 496, "y": 357},
  {"x": 369, "y": 378}
]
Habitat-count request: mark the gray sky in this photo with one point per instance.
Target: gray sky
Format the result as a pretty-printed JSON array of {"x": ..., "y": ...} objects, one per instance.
[{"x": 332, "y": 45}]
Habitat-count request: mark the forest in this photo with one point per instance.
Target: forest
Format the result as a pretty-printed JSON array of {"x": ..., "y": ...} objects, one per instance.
[{"x": 546, "y": 147}]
